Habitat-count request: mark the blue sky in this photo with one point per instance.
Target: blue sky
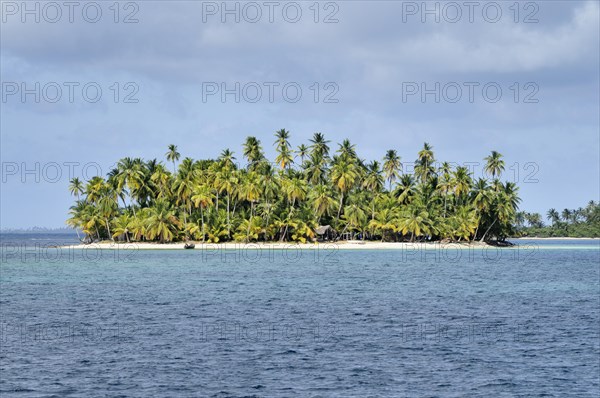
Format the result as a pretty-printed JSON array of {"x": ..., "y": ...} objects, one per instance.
[{"x": 156, "y": 74}]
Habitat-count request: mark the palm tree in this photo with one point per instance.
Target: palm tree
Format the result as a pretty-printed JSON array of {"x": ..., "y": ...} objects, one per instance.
[
  {"x": 77, "y": 220},
  {"x": 373, "y": 182},
  {"x": 295, "y": 190},
  {"x": 445, "y": 184},
  {"x": 316, "y": 169},
  {"x": 347, "y": 150},
  {"x": 92, "y": 220},
  {"x": 343, "y": 175},
  {"x": 494, "y": 164},
  {"x": 415, "y": 220},
  {"x": 184, "y": 184},
  {"x": 323, "y": 201},
  {"x": 505, "y": 207},
  {"x": 405, "y": 190},
  {"x": 385, "y": 222},
  {"x": 162, "y": 181},
  {"x": 284, "y": 157},
  {"x": 567, "y": 215},
  {"x": 76, "y": 187},
  {"x": 93, "y": 189},
  {"x": 138, "y": 225},
  {"x": 162, "y": 223},
  {"x": 121, "y": 226},
  {"x": 229, "y": 184},
  {"x": 253, "y": 151},
  {"x": 172, "y": 155},
  {"x": 107, "y": 206},
  {"x": 284, "y": 153},
  {"x": 461, "y": 180},
  {"x": 302, "y": 152},
  {"x": 202, "y": 198},
  {"x": 226, "y": 159},
  {"x": 251, "y": 191},
  {"x": 465, "y": 222},
  {"x": 391, "y": 167},
  {"x": 282, "y": 138},
  {"x": 423, "y": 165},
  {"x": 130, "y": 174},
  {"x": 534, "y": 220},
  {"x": 355, "y": 218},
  {"x": 319, "y": 147},
  {"x": 482, "y": 198},
  {"x": 142, "y": 200}
]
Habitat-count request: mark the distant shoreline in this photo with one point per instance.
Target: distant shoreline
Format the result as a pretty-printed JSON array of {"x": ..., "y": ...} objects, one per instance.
[{"x": 553, "y": 238}]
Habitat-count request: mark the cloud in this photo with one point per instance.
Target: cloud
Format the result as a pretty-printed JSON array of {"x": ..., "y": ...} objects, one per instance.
[{"x": 369, "y": 53}]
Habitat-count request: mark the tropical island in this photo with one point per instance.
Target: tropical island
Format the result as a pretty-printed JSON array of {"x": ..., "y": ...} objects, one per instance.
[
  {"x": 309, "y": 193},
  {"x": 583, "y": 222}
]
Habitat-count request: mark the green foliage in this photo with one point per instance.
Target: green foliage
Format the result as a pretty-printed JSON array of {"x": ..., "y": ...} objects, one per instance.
[
  {"x": 216, "y": 201},
  {"x": 583, "y": 222}
]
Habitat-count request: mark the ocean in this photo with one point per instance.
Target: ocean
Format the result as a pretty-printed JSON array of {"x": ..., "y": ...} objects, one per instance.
[{"x": 245, "y": 323}]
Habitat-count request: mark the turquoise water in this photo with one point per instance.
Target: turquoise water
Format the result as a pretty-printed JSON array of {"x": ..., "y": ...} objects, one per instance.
[{"x": 517, "y": 322}]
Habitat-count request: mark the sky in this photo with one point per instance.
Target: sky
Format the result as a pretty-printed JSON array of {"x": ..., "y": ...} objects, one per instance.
[{"x": 87, "y": 83}]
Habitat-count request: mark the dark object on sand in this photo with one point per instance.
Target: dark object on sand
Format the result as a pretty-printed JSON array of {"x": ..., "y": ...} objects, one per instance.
[{"x": 189, "y": 246}]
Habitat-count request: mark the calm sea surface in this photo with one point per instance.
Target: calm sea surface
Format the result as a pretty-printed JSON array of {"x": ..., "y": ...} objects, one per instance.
[{"x": 245, "y": 323}]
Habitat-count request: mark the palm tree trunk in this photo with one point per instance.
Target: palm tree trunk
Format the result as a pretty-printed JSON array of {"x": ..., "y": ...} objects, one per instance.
[
  {"x": 78, "y": 236},
  {"x": 285, "y": 231},
  {"x": 445, "y": 196},
  {"x": 267, "y": 221},
  {"x": 250, "y": 221},
  {"x": 202, "y": 218},
  {"x": 476, "y": 229},
  {"x": 340, "y": 207},
  {"x": 108, "y": 228},
  {"x": 344, "y": 230},
  {"x": 488, "y": 230},
  {"x": 284, "y": 234},
  {"x": 228, "y": 231}
]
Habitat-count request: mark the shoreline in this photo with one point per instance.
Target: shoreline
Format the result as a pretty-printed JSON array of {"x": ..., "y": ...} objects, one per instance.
[{"x": 342, "y": 245}]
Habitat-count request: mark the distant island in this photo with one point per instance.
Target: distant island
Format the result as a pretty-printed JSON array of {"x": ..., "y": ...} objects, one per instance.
[
  {"x": 309, "y": 193},
  {"x": 37, "y": 230},
  {"x": 583, "y": 222}
]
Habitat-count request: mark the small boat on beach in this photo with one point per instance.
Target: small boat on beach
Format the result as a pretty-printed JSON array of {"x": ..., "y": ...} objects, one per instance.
[{"x": 189, "y": 246}]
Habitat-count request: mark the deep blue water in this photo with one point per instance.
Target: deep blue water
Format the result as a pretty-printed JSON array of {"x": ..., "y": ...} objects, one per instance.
[{"x": 505, "y": 322}]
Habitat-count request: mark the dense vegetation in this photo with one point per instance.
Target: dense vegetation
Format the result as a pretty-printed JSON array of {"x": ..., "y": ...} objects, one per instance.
[
  {"x": 216, "y": 200},
  {"x": 574, "y": 223}
]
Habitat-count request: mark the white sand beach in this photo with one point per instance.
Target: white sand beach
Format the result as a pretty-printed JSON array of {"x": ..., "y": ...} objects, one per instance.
[{"x": 341, "y": 245}]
